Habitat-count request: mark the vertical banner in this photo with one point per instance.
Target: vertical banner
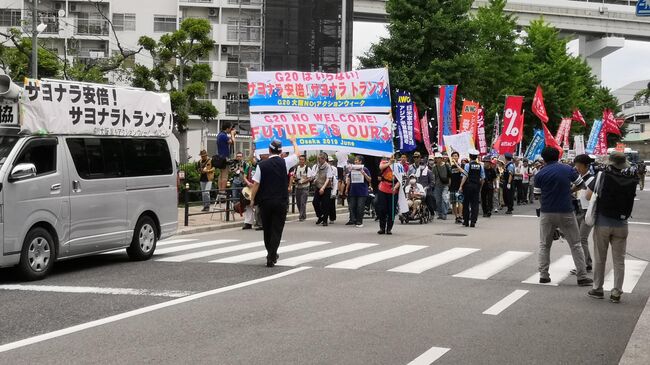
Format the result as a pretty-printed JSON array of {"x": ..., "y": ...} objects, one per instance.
[
  {"x": 447, "y": 113},
  {"x": 538, "y": 105},
  {"x": 577, "y": 116},
  {"x": 404, "y": 117},
  {"x": 417, "y": 130},
  {"x": 579, "y": 144},
  {"x": 550, "y": 141},
  {"x": 563, "y": 130},
  {"x": 513, "y": 123},
  {"x": 469, "y": 116},
  {"x": 610, "y": 124},
  {"x": 536, "y": 145},
  {"x": 481, "y": 143},
  {"x": 601, "y": 149},
  {"x": 593, "y": 141},
  {"x": 424, "y": 126}
]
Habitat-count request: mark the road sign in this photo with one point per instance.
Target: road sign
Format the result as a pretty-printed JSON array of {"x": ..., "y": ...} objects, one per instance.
[{"x": 643, "y": 8}]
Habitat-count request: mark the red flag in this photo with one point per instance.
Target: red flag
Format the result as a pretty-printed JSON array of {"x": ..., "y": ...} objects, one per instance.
[
  {"x": 538, "y": 105},
  {"x": 610, "y": 125},
  {"x": 425, "y": 132},
  {"x": 577, "y": 116},
  {"x": 550, "y": 140},
  {"x": 416, "y": 126},
  {"x": 513, "y": 124}
]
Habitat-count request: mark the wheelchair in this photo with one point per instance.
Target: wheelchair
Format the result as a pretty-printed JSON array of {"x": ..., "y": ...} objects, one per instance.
[
  {"x": 369, "y": 210},
  {"x": 422, "y": 215}
]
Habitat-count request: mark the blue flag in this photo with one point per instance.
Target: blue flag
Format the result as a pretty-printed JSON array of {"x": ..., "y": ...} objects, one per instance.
[{"x": 536, "y": 146}]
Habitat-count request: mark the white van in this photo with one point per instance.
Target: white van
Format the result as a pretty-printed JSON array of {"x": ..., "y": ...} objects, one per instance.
[{"x": 70, "y": 195}]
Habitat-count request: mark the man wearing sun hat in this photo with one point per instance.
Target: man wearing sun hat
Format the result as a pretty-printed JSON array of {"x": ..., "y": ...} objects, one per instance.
[{"x": 616, "y": 189}]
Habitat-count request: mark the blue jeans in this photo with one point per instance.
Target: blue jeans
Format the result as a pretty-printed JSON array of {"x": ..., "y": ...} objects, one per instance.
[
  {"x": 205, "y": 193},
  {"x": 439, "y": 192}
]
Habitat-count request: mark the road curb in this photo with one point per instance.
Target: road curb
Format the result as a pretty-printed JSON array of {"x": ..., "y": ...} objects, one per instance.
[
  {"x": 637, "y": 351},
  {"x": 218, "y": 227}
]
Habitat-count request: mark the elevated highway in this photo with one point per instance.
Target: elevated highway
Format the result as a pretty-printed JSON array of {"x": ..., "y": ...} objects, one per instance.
[{"x": 601, "y": 27}]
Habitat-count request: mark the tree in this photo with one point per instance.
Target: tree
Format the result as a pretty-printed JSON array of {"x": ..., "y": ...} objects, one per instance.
[
  {"x": 17, "y": 60},
  {"x": 176, "y": 70}
]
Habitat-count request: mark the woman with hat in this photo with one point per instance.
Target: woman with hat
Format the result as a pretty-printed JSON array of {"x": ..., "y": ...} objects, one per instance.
[{"x": 205, "y": 180}]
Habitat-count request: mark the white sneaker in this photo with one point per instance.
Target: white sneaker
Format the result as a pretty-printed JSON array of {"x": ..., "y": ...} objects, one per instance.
[{"x": 359, "y": 226}]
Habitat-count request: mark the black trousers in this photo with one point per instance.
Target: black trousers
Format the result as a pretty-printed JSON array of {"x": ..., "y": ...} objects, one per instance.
[
  {"x": 471, "y": 194},
  {"x": 386, "y": 205},
  {"x": 508, "y": 196},
  {"x": 274, "y": 214},
  {"x": 322, "y": 203},
  {"x": 487, "y": 199},
  {"x": 516, "y": 187},
  {"x": 332, "y": 214},
  {"x": 522, "y": 193}
]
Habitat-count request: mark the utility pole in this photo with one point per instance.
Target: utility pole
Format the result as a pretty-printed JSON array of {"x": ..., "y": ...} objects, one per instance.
[{"x": 34, "y": 39}]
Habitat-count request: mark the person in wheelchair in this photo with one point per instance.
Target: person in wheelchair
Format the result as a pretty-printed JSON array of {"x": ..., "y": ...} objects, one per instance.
[{"x": 414, "y": 193}]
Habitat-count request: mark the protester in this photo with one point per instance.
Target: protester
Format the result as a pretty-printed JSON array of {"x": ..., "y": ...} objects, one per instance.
[
  {"x": 616, "y": 189},
  {"x": 454, "y": 186},
  {"x": 417, "y": 158},
  {"x": 582, "y": 164},
  {"x": 506, "y": 183},
  {"x": 488, "y": 188},
  {"x": 357, "y": 191},
  {"x": 341, "y": 173},
  {"x": 225, "y": 139},
  {"x": 404, "y": 161},
  {"x": 335, "y": 188},
  {"x": 301, "y": 181},
  {"x": 554, "y": 183},
  {"x": 387, "y": 197},
  {"x": 250, "y": 212},
  {"x": 532, "y": 171},
  {"x": 470, "y": 187},
  {"x": 414, "y": 193},
  {"x": 205, "y": 180},
  {"x": 442, "y": 175},
  {"x": 322, "y": 181},
  {"x": 522, "y": 195},
  {"x": 237, "y": 175},
  {"x": 270, "y": 191},
  {"x": 498, "y": 194}
]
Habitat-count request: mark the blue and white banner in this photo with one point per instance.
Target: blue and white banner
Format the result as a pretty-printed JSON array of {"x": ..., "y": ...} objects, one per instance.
[
  {"x": 536, "y": 145},
  {"x": 404, "y": 117},
  {"x": 592, "y": 143}
]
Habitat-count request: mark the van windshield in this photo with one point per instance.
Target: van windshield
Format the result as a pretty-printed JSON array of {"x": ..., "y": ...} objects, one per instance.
[{"x": 7, "y": 143}]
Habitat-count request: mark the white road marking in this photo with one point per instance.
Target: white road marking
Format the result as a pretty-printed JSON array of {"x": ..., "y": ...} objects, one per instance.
[
  {"x": 504, "y": 303},
  {"x": 427, "y": 263},
  {"x": 216, "y": 251},
  {"x": 299, "y": 260},
  {"x": 84, "y": 326},
  {"x": 633, "y": 271},
  {"x": 97, "y": 290},
  {"x": 192, "y": 246},
  {"x": 558, "y": 271},
  {"x": 430, "y": 356},
  {"x": 372, "y": 258},
  {"x": 260, "y": 254},
  {"x": 485, "y": 270},
  {"x": 172, "y": 242},
  {"x": 523, "y": 216},
  {"x": 639, "y": 223}
]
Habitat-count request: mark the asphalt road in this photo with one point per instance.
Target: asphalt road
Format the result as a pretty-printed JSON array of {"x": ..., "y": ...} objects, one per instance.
[{"x": 355, "y": 312}]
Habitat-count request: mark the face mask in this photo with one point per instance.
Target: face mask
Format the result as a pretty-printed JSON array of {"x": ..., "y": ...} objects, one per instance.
[{"x": 412, "y": 181}]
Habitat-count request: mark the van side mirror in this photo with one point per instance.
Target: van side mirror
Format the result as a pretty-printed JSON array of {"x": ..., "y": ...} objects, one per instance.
[{"x": 22, "y": 171}]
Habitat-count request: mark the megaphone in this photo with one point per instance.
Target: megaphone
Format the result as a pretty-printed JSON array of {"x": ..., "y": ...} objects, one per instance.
[{"x": 8, "y": 89}]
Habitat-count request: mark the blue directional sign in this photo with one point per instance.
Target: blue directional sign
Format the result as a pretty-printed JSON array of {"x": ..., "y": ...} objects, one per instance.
[{"x": 643, "y": 8}]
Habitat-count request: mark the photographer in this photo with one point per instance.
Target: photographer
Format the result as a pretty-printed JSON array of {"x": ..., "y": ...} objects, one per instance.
[{"x": 225, "y": 139}]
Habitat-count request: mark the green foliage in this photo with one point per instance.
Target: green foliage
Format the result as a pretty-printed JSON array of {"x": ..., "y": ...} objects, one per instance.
[
  {"x": 17, "y": 61},
  {"x": 438, "y": 42},
  {"x": 176, "y": 69}
]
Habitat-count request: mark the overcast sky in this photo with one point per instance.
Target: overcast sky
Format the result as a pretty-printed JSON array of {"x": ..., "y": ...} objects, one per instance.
[{"x": 620, "y": 68}]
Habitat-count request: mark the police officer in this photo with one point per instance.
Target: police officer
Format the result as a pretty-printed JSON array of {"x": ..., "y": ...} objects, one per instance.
[
  {"x": 506, "y": 183},
  {"x": 270, "y": 192},
  {"x": 470, "y": 186}
]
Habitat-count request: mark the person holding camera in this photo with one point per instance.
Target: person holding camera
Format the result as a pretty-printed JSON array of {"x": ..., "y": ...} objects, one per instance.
[{"x": 205, "y": 180}]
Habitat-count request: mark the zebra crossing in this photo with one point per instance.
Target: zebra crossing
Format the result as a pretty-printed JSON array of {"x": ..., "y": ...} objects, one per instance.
[{"x": 358, "y": 255}]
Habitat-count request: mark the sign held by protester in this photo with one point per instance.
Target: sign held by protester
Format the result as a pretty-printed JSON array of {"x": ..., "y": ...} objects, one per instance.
[
  {"x": 461, "y": 143},
  {"x": 405, "y": 118},
  {"x": 536, "y": 146},
  {"x": 64, "y": 107}
]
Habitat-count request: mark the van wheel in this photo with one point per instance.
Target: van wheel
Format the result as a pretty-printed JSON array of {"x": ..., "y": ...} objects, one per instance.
[
  {"x": 144, "y": 240},
  {"x": 37, "y": 255}
]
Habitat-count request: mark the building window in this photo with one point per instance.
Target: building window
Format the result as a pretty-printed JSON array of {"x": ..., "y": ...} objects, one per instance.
[
  {"x": 9, "y": 17},
  {"x": 164, "y": 23},
  {"x": 123, "y": 22}
]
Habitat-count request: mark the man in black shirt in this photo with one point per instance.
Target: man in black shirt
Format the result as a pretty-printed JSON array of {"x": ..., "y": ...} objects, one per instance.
[
  {"x": 270, "y": 191},
  {"x": 487, "y": 191}
]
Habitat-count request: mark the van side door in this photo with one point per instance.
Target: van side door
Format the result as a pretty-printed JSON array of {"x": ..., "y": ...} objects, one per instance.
[{"x": 97, "y": 194}]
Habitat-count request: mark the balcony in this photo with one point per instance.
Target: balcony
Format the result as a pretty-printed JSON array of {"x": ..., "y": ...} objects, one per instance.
[
  {"x": 244, "y": 33},
  {"x": 237, "y": 108},
  {"x": 91, "y": 27}
]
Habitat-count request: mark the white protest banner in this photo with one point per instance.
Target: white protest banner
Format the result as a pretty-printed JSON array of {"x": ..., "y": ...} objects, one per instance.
[
  {"x": 294, "y": 91},
  {"x": 579, "y": 144},
  {"x": 63, "y": 107},
  {"x": 461, "y": 143}
]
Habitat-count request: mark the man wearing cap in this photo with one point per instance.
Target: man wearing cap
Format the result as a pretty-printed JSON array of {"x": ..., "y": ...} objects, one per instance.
[
  {"x": 270, "y": 191},
  {"x": 554, "y": 183},
  {"x": 487, "y": 190},
  {"x": 205, "y": 180},
  {"x": 506, "y": 183},
  {"x": 582, "y": 164},
  {"x": 470, "y": 187},
  {"x": 616, "y": 188}
]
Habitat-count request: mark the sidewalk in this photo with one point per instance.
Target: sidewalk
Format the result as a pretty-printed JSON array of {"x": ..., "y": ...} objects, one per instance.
[
  {"x": 637, "y": 351},
  {"x": 217, "y": 221}
]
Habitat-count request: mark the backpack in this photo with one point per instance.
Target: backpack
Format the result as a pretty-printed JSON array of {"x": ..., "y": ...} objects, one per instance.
[{"x": 616, "y": 196}]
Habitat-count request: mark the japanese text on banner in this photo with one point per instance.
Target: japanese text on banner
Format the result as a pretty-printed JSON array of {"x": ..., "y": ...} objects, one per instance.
[
  {"x": 513, "y": 124},
  {"x": 81, "y": 108}
]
